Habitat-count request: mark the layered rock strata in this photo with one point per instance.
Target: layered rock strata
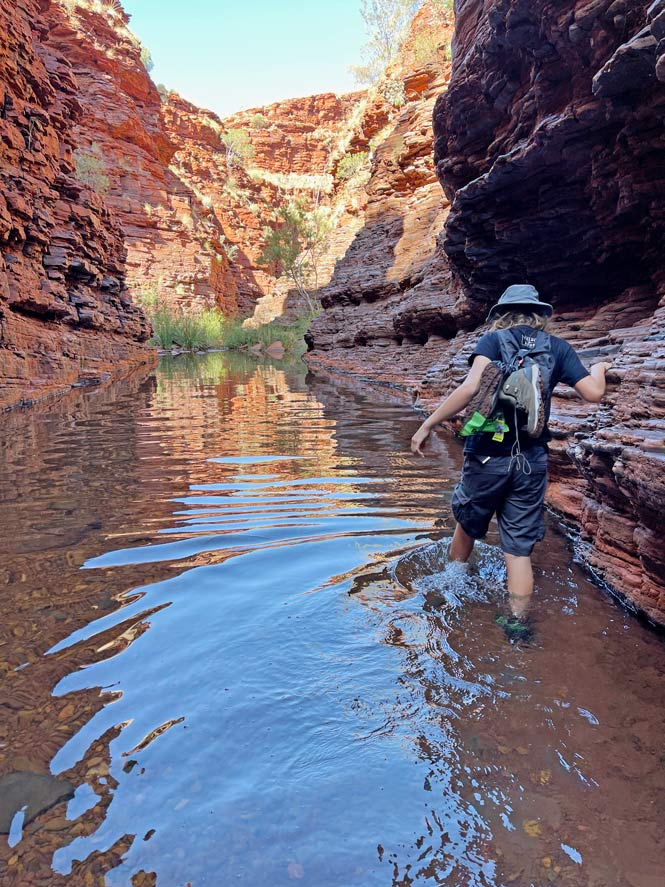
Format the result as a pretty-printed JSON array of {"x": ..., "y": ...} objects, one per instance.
[
  {"x": 549, "y": 145},
  {"x": 173, "y": 238},
  {"x": 392, "y": 293},
  {"x": 292, "y": 149},
  {"x": 65, "y": 315}
]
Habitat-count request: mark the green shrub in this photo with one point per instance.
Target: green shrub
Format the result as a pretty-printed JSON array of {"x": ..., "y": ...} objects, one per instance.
[
  {"x": 425, "y": 48},
  {"x": 392, "y": 90},
  {"x": 197, "y": 330},
  {"x": 91, "y": 168},
  {"x": 259, "y": 121},
  {"x": 351, "y": 164},
  {"x": 146, "y": 59},
  {"x": 238, "y": 146},
  {"x": 192, "y": 330},
  {"x": 447, "y": 7}
]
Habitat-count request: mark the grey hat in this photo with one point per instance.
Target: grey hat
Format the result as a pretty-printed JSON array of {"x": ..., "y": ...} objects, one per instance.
[{"x": 520, "y": 295}]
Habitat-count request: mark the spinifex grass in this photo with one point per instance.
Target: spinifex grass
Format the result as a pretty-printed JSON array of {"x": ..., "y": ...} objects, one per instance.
[{"x": 198, "y": 330}]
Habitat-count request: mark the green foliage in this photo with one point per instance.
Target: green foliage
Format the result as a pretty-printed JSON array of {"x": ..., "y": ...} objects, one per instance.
[
  {"x": 259, "y": 121},
  {"x": 293, "y": 247},
  {"x": 392, "y": 90},
  {"x": 386, "y": 22},
  {"x": 239, "y": 148},
  {"x": 426, "y": 47},
  {"x": 198, "y": 330},
  {"x": 146, "y": 59},
  {"x": 447, "y": 7},
  {"x": 291, "y": 334},
  {"x": 293, "y": 181},
  {"x": 230, "y": 249},
  {"x": 91, "y": 168},
  {"x": 351, "y": 164}
]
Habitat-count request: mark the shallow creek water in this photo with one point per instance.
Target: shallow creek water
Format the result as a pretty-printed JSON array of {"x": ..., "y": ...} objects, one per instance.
[{"x": 230, "y": 632}]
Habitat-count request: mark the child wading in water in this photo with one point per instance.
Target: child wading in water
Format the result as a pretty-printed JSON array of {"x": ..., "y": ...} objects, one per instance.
[{"x": 505, "y": 454}]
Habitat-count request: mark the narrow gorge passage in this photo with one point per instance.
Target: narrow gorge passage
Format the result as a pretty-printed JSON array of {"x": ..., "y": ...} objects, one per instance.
[{"x": 232, "y": 649}]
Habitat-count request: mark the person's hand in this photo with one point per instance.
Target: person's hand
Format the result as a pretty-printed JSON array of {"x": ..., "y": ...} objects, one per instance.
[
  {"x": 418, "y": 440},
  {"x": 605, "y": 365}
]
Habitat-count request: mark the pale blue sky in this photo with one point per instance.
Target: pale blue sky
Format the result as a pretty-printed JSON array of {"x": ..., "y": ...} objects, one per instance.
[{"x": 228, "y": 56}]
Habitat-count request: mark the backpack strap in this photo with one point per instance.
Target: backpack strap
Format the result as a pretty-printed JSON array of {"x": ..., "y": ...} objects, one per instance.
[{"x": 514, "y": 350}]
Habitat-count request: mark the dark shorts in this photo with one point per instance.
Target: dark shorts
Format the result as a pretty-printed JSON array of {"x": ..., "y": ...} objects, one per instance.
[{"x": 500, "y": 486}]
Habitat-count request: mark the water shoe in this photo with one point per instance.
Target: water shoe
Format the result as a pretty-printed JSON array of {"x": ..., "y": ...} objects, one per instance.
[{"x": 515, "y": 628}]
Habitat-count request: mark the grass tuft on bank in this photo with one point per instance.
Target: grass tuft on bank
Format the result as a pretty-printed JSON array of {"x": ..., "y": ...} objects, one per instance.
[{"x": 203, "y": 329}]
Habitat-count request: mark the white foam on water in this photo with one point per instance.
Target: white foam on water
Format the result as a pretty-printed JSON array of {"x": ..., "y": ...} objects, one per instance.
[{"x": 429, "y": 571}]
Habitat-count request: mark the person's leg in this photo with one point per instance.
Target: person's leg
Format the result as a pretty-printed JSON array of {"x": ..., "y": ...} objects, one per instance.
[
  {"x": 462, "y": 545},
  {"x": 520, "y": 583},
  {"x": 521, "y": 526}
]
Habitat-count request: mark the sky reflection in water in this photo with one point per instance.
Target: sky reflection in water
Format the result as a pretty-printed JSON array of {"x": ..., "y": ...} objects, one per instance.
[{"x": 256, "y": 668}]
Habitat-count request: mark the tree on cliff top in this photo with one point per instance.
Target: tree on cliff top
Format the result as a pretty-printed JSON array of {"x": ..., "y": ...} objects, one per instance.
[{"x": 387, "y": 22}]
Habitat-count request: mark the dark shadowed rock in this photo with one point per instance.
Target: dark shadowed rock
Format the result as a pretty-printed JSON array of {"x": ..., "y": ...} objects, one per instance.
[{"x": 34, "y": 791}]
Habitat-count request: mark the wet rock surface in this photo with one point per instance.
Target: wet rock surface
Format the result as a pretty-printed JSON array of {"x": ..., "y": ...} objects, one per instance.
[
  {"x": 65, "y": 314},
  {"x": 34, "y": 792},
  {"x": 549, "y": 146}
]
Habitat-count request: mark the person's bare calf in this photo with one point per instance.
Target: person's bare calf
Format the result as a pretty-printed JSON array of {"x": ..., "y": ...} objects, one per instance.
[
  {"x": 461, "y": 546},
  {"x": 520, "y": 583}
]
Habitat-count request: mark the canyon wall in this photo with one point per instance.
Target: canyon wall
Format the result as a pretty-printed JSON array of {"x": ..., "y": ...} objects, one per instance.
[
  {"x": 549, "y": 147},
  {"x": 65, "y": 315},
  {"x": 290, "y": 143},
  {"x": 392, "y": 301},
  {"x": 172, "y": 235}
]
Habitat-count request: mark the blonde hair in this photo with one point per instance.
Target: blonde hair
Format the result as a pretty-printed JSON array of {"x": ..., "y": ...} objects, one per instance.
[{"x": 520, "y": 318}]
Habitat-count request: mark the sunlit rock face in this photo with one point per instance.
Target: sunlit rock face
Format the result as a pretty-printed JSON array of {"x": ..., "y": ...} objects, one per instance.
[
  {"x": 391, "y": 304},
  {"x": 292, "y": 145},
  {"x": 172, "y": 236},
  {"x": 550, "y": 146},
  {"x": 65, "y": 313}
]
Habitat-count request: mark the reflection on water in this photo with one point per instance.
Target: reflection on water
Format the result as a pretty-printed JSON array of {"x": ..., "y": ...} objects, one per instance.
[{"x": 232, "y": 654}]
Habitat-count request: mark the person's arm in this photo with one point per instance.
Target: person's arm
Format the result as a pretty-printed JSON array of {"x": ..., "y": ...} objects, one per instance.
[
  {"x": 592, "y": 387},
  {"x": 452, "y": 405}
]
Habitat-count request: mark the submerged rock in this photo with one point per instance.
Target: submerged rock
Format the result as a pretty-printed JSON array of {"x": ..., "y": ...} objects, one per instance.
[{"x": 36, "y": 792}]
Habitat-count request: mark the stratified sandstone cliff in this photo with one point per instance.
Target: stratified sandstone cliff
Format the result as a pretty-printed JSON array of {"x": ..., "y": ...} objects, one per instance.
[
  {"x": 549, "y": 145},
  {"x": 391, "y": 300},
  {"x": 65, "y": 316},
  {"x": 173, "y": 238},
  {"x": 293, "y": 148}
]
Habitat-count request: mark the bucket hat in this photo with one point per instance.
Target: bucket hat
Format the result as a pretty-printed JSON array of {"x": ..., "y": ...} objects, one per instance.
[{"x": 520, "y": 295}]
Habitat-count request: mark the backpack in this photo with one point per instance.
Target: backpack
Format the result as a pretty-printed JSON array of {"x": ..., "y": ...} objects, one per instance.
[{"x": 497, "y": 398}]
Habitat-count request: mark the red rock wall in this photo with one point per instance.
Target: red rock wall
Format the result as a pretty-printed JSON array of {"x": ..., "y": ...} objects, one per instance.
[
  {"x": 391, "y": 300},
  {"x": 296, "y": 139},
  {"x": 65, "y": 315},
  {"x": 173, "y": 240},
  {"x": 549, "y": 145}
]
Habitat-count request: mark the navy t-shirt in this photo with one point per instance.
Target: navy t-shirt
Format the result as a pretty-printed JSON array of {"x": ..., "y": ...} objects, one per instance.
[{"x": 568, "y": 368}]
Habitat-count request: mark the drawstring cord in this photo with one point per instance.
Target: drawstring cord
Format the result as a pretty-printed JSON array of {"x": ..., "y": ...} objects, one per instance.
[{"x": 516, "y": 454}]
